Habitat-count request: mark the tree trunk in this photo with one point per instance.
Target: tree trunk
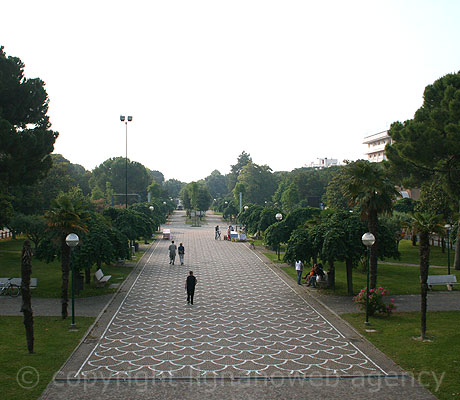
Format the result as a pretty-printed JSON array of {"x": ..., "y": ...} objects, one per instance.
[
  {"x": 65, "y": 268},
  {"x": 457, "y": 249},
  {"x": 331, "y": 275},
  {"x": 424, "y": 252},
  {"x": 349, "y": 266},
  {"x": 26, "y": 307},
  {"x": 372, "y": 225},
  {"x": 414, "y": 238}
]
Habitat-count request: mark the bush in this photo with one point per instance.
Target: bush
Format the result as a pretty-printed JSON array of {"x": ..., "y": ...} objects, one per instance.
[{"x": 376, "y": 302}]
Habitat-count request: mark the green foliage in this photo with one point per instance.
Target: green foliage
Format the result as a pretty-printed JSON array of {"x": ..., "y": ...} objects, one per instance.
[
  {"x": 217, "y": 184},
  {"x": 113, "y": 171},
  {"x": 173, "y": 187},
  {"x": 405, "y": 205},
  {"x": 195, "y": 196},
  {"x": 33, "y": 226},
  {"x": 299, "y": 246},
  {"x": 429, "y": 143},
  {"x": 235, "y": 170},
  {"x": 267, "y": 217},
  {"x": 256, "y": 183}
]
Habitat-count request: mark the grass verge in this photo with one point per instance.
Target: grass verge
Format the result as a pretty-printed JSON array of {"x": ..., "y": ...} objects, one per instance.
[
  {"x": 24, "y": 376},
  {"x": 398, "y": 279},
  {"x": 435, "y": 364},
  {"x": 49, "y": 275}
]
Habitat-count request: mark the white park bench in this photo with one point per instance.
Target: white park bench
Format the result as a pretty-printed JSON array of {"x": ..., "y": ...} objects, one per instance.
[
  {"x": 448, "y": 280},
  {"x": 100, "y": 279}
]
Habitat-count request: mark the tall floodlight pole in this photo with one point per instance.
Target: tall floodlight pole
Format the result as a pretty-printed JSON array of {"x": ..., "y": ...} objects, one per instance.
[{"x": 122, "y": 119}]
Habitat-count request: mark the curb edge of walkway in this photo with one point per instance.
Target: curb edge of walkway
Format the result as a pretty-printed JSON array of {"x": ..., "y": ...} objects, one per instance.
[{"x": 127, "y": 281}]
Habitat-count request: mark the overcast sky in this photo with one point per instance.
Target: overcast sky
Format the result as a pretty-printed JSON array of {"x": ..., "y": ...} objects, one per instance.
[{"x": 286, "y": 81}]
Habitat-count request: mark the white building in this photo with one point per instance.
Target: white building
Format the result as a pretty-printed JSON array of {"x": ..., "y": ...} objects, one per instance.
[
  {"x": 323, "y": 163},
  {"x": 376, "y": 146}
]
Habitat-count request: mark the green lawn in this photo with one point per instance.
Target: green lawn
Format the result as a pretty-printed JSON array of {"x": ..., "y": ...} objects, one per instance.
[
  {"x": 399, "y": 279},
  {"x": 53, "y": 345},
  {"x": 438, "y": 359},
  {"x": 410, "y": 254},
  {"x": 49, "y": 275}
]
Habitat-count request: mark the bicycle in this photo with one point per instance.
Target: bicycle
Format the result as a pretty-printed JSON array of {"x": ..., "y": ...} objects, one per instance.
[{"x": 10, "y": 289}]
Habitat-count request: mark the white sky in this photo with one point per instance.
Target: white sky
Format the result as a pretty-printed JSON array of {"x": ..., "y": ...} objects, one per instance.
[{"x": 286, "y": 81}]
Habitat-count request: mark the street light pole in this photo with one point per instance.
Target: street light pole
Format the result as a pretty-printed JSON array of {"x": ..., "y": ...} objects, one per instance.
[
  {"x": 279, "y": 217},
  {"x": 72, "y": 241},
  {"x": 368, "y": 240},
  {"x": 122, "y": 119},
  {"x": 448, "y": 227}
]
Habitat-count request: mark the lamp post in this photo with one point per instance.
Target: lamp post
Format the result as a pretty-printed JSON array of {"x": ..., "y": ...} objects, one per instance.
[
  {"x": 279, "y": 217},
  {"x": 448, "y": 227},
  {"x": 72, "y": 241},
  {"x": 368, "y": 240},
  {"x": 129, "y": 119}
]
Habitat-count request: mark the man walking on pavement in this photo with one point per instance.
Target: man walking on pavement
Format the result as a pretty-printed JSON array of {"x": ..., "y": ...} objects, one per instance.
[
  {"x": 299, "y": 269},
  {"x": 181, "y": 251},
  {"x": 190, "y": 284},
  {"x": 172, "y": 252}
]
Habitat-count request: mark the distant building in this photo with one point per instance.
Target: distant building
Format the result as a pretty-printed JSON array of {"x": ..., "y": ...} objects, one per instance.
[
  {"x": 323, "y": 163},
  {"x": 376, "y": 146}
]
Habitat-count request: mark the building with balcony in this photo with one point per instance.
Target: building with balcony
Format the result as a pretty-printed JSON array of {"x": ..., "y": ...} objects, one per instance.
[
  {"x": 323, "y": 163},
  {"x": 376, "y": 146}
]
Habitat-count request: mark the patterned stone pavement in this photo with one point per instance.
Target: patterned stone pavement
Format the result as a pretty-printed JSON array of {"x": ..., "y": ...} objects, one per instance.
[{"x": 246, "y": 321}]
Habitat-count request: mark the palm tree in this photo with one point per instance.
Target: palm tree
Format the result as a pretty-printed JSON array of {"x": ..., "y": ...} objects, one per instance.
[
  {"x": 66, "y": 216},
  {"x": 425, "y": 224},
  {"x": 368, "y": 186}
]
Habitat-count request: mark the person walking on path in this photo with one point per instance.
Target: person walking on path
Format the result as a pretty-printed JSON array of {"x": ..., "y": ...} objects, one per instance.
[
  {"x": 172, "y": 252},
  {"x": 217, "y": 236},
  {"x": 190, "y": 284},
  {"x": 181, "y": 252},
  {"x": 299, "y": 269}
]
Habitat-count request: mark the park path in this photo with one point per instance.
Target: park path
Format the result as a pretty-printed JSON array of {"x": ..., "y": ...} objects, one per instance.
[{"x": 247, "y": 323}]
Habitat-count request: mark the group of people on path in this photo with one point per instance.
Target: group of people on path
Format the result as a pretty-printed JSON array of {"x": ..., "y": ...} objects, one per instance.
[
  {"x": 172, "y": 253},
  {"x": 191, "y": 280},
  {"x": 316, "y": 273}
]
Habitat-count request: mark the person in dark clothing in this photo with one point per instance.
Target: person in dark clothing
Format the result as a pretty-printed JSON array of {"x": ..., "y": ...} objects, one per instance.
[
  {"x": 181, "y": 251},
  {"x": 190, "y": 284}
]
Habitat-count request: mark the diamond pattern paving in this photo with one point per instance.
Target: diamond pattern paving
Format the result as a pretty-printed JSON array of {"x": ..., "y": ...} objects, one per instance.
[{"x": 246, "y": 322}]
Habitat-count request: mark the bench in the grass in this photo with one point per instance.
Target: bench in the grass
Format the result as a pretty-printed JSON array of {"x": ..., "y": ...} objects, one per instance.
[
  {"x": 18, "y": 281},
  {"x": 100, "y": 279},
  {"x": 448, "y": 280}
]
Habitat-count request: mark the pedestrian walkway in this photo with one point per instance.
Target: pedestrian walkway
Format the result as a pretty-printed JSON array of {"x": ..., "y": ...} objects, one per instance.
[{"x": 249, "y": 334}]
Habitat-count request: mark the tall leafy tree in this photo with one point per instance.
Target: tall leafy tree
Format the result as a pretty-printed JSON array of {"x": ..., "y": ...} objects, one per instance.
[
  {"x": 113, "y": 171},
  {"x": 235, "y": 170},
  {"x": 67, "y": 215},
  {"x": 256, "y": 182},
  {"x": 369, "y": 187},
  {"x": 26, "y": 140},
  {"x": 428, "y": 145},
  {"x": 217, "y": 184}
]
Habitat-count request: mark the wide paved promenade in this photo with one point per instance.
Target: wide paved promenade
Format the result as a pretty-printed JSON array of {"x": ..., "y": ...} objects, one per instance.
[{"x": 249, "y": 334}]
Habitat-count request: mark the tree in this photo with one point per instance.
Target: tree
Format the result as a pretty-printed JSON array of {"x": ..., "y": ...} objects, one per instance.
[
  {"x": 428, "y": 145},
  {"x": 235, "y": 170},
  {"x": 157, "y": 176},
  {"x": 217, "y": 184},
  {"x": 299, "y": 246},
  {"x": 34, "y": 226},
  {"x": 173, "y": 187},
  {"x": 256, "y": 182},
  {"x": 369, "y": 187},
  {"x": 425, "y": 223},
  {"x": 113, "y": 171},
  {"x": 290, "y": 198},
  {"x": 67, "y": 215},
  {"x": 26, "y": 140}
]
